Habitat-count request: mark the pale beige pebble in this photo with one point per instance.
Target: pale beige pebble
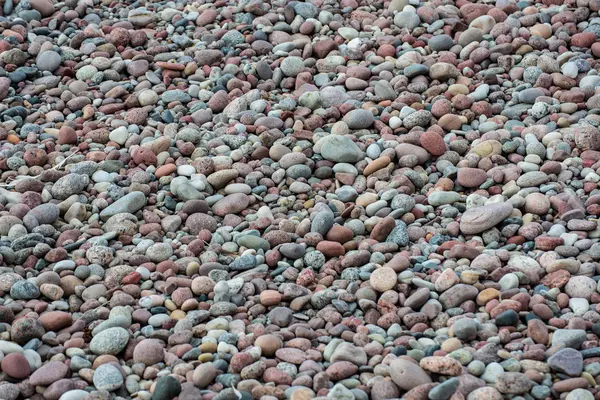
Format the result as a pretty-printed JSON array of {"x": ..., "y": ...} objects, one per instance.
[
  {"x": 458, "y": 88},
  {"x": 397, "y": 5},
  {"x": 302, "y": 393},
  {"x": 485, "y": 393},
  {"x": 365, "y": 199},
  {"x": 451, "y": 344},
  {"x": 446, "y": 280},
  {"x": 383, "y": 279},
  {"x": 202, "y": 285},
  {"x": 53, "y": 292},
  {"x": 543, "y": 30},
  {"x": 484, "y": 22}
]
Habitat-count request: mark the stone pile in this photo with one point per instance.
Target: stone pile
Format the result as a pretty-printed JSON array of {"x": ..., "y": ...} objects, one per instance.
[{"x": 348, "y": 199}]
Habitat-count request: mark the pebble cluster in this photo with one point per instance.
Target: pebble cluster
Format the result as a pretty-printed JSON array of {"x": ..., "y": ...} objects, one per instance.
[{"x": 330, "y": 199}]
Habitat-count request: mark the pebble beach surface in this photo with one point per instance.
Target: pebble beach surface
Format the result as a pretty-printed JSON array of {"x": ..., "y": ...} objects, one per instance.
[{"x": 341, "y": 199}]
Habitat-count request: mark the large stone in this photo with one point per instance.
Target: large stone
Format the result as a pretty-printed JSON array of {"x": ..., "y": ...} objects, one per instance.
[
  {"x": 359, "y": 119},
  {"x": 513, "y": 383},
  {"x": 339, "y": 148},
  {"x": 49, "y": 373},
  {"x": 130, "y": 203},
  {"x": 479, "y": 219},
  {"x": 349, "y": 352},
  {"x": 572, "y": 338},
  {"x": 408, "y": 375},
  {"x": 232, "y": 204},
  {"x": 457, "y": 295},
  {"x": 567, "y": 361},
  {"x": 110, "y": 341}
]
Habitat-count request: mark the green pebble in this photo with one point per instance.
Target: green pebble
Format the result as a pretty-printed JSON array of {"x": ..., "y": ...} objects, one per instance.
[
  {"x": 462, "y": 355},
  {"x": 416, "y": 354},
  {"x": 476, "y": 367}
]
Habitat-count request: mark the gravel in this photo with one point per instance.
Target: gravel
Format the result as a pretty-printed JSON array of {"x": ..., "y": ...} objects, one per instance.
[{"x": 298, "y": 200}]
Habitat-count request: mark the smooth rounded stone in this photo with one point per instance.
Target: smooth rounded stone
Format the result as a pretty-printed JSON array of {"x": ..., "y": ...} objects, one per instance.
[
  {"x": 340, "y": 149},
  {"x": 179, "y": 174},
  {"x": 69, "y": 185},
  {"x": 579, "y": 394},
  {"x": 358, "y": 119},
  {"x": 507, "y": 318},
  {"x": 76, "y": 394},
  {"x": 140, "y": 16},
  {"x": 291, "y": 66},
  {"x": 398, "y": 5},
  {"x": 509, "y": 281},
  {"x": 24, "y": 290},
  {"x": 445, "y": 390},
  {"x": 407, "y": 19},
  {"x": 231, "y": 204},
  {"x": 399, "y": 235},
  {"x": 9, "y": 391},
  {"x": 567, "y": 361},
  {"x": 579, "y": 306},
  {"x": 348, "y": 352},
  {"x": 49, "y": 373},
  {"x": 292, "y": 250},
  {"x": 408, "y": 375},
  {"x": 537, "y": 203},
  {"x": 110, "y": 341},
  {"x": 300, "y": 187},
  {"x": 383, "y": 389},
  {"x": 383, "y": 279},
  {"x": 469, "y": 36},
  {"x": 589, "y": 81},
  {"x": 417, "y": 118},
  {"x": 441, "y": 42},
  {"x": 415, "y": 70},
  {"x": 107, "y": 377},
  {"x": 513, "y": 383},
  {"x": 465, "y": 329},
  {"x": 146, "y": 98},
  {"x": 148, "y": 352},
  {"x": 479, "y": 219},
  {"x": 572, "y": 338},
  {"x": 204, "y": 374},
  {"x": 86, "y": 72},
  {"x": 443, "y": 71},
  {"x": 440, "y": 198},
  {"x": 581, "y": 286},
  {"x": 16, "y": 366},
  {"x": 48, "y": 61},
  {"x": 457, "y": 295},
  {"x": 471, "y": 177},
  {"x": 534, "y": 178},
  {"x": 130, "y": 203},
  {"x": 167, "y": 388}
]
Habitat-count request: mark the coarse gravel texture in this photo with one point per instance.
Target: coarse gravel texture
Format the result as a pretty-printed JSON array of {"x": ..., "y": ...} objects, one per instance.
[{"x": 343, "y": 199}]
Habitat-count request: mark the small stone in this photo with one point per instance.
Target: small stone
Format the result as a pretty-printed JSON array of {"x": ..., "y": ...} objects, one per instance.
[
  {"x": 107, "y": 377},
  {"x": 383, "y": 279}
]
